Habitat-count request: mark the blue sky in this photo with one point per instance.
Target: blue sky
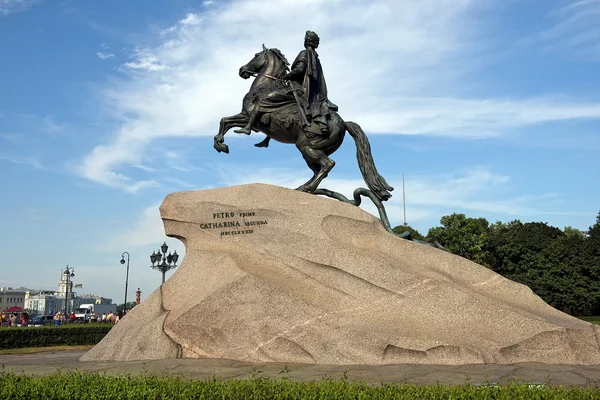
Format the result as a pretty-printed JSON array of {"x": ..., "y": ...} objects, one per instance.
[{"x": 489, "y": 107}]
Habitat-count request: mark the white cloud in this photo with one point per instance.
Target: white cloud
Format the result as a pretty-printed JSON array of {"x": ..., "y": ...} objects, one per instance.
[
  {"x": 478, "y": 189},
  {"x": 146, "y": 230},
  {"x": 34, "y": 123},
  {"x": 180, "y": 183},
  {"x": 103, "y": 56},
  {"x": 95, "y": 168},
  {"x": 479, "y": 192},
  {"x": 143, "y": 234},
  {"x": 386, "y": 68},
  {"x": 29, "y": 161},
  {"x": 428, "y": 197},
  {"x": 14, "y": 6},
  {"x": 190, "y": 19},
  {"x": 576, "y": 30},
  {"x": 145, "y": 61}
]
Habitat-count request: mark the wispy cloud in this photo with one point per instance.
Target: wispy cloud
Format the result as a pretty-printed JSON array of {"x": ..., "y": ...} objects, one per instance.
[
  {"x": 144, "y": 232},
  {"x": 30, "y": 123},
  {"x": 146, "y": 229},
  {"x": 145, "y": 60},
  {"x": 477, "y": 191},
  {"x": 140, "y": 235},
  {"x": 35, "y": 215},
  {"x": 11, "y": 137},
  {"x": 104, "y": 53},
  {"x": 190, "y": 19},
  {"x": 180, "y": 183},
  {"x": 103, "y": 56},
  {"x": 575, "y": 30},
  {"x": 29, "y": 161},
  {"x": 14, "y": 6},
  {"x": 386, "y": 68}
]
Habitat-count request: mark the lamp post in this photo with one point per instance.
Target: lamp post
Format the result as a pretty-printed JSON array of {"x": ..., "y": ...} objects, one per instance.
[
  {"x": 68, "y": 273},
  {"x": 163, "y": 261},
  {"x": 126, "y": 277}
]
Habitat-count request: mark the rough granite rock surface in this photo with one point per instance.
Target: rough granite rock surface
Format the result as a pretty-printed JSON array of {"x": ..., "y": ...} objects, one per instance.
[{"x": 320, "y": 281}]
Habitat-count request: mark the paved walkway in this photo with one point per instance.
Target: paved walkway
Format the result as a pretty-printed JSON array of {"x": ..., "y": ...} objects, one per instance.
[{"x": 565, "y": 375}]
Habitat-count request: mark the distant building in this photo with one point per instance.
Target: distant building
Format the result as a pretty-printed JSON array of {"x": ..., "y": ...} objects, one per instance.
[
  {"x": 40, "y": 304},
  {"x": 94, "y": 299},
  {"x": 10, "y": 297},
  {"x": 47, "y": 302}
]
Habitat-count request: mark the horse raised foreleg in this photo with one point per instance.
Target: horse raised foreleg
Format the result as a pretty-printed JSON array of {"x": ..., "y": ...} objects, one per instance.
[{"x": 226, "y": 124}]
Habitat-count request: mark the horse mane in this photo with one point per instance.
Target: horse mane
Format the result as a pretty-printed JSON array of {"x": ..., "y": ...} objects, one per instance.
[{"x": 280, "y": 55}]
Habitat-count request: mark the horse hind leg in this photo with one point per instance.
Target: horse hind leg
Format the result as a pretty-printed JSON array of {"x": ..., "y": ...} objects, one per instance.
[
  {"x": 314, "y": 167},
  {"x": 319, "y": 163}
]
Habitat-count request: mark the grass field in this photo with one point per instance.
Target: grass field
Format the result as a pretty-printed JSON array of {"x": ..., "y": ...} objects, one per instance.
[
  {"x": 33, "y": 350},
  {"x": 85, "y": 385},
  {"x": 594, "y": 319}
]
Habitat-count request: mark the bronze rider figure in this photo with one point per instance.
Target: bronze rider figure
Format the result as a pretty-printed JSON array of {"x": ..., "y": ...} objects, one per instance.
[{"x": 307, "y": 80}]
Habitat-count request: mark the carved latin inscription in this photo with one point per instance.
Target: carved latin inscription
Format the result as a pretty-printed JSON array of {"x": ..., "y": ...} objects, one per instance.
[{"x": 243, "y": 223}]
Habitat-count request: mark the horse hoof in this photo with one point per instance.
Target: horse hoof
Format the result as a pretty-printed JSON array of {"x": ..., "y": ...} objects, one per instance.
[
  {"x": 303, "y": 189},
  {"x": 222, "y": 148}
]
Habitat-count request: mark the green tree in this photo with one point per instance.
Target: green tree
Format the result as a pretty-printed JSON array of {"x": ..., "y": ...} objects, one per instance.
[
  {"x": 463, "y": 236},
  {"x": 414, "y": 233},
  {"x": 130, "y": 305},
  {"x": 593, "y": 235},
  {"x": 553, "y": 263},
  {"x": 562, "y": 277},
  {"x": 592, "y": 251},
  {"x": 570, "y": 231},
  {"x": 514, "y": 248}
]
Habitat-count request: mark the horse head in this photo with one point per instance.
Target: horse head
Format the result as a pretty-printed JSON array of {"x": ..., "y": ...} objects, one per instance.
[{"x": 268, "y": 61}]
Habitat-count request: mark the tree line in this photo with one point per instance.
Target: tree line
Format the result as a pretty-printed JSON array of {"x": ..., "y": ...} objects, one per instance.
[{"x": 562, "y": 266}]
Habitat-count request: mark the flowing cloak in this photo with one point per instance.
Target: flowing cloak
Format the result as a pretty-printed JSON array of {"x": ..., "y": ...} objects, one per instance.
[
  {"x": 307, "y": 78},
  {"x": 314, "y": 88}
]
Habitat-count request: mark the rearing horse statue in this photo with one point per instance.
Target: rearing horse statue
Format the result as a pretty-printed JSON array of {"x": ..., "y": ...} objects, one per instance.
[{"x": 285, "y": 124}]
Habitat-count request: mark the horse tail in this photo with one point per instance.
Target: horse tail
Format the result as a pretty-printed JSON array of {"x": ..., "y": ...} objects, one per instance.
[{"x": 374, "y": 181}]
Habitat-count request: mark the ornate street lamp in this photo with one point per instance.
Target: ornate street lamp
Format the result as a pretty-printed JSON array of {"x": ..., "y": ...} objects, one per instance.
[
  {"x": 163, "y": 261},
  {"x": 126, "y": 277},
  {"x": 68, "y": 273}
]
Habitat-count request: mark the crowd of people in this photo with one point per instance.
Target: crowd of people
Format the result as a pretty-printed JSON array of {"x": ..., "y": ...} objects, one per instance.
[
  {"x": 111, "y": 318},
  {"x": 60, "y": 318},
  {"x": 14, "y": 319}
]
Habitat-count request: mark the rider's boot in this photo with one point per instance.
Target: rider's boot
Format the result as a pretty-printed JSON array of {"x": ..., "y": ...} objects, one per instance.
[
  {"x": 248, "y": 128},
  {"x": 264, "y": 143}
]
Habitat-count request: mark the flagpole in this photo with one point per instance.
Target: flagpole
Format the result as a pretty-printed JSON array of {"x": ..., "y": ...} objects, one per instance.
[{"x": 404, "y": 199}]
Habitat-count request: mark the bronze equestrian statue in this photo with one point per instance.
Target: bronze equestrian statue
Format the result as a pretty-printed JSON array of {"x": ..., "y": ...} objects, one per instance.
[{"x": 291, "y": 106}]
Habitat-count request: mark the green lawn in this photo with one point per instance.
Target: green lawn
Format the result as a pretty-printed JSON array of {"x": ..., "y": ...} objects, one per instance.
[
  {"x": 594, "y": 319},
  {"x": 92, "y": 386},
  {"x": 33, "y": 350}
]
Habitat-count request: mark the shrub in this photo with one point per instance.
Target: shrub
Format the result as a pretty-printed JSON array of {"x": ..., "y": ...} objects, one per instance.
[{"x": 64, "y": 335}]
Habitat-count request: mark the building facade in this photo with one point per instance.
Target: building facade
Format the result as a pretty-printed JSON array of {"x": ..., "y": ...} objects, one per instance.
[
  {"x": 41, "y": 304},
  {"x": 45, "y": 302},
  {"x": 10, "y": 297}
]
